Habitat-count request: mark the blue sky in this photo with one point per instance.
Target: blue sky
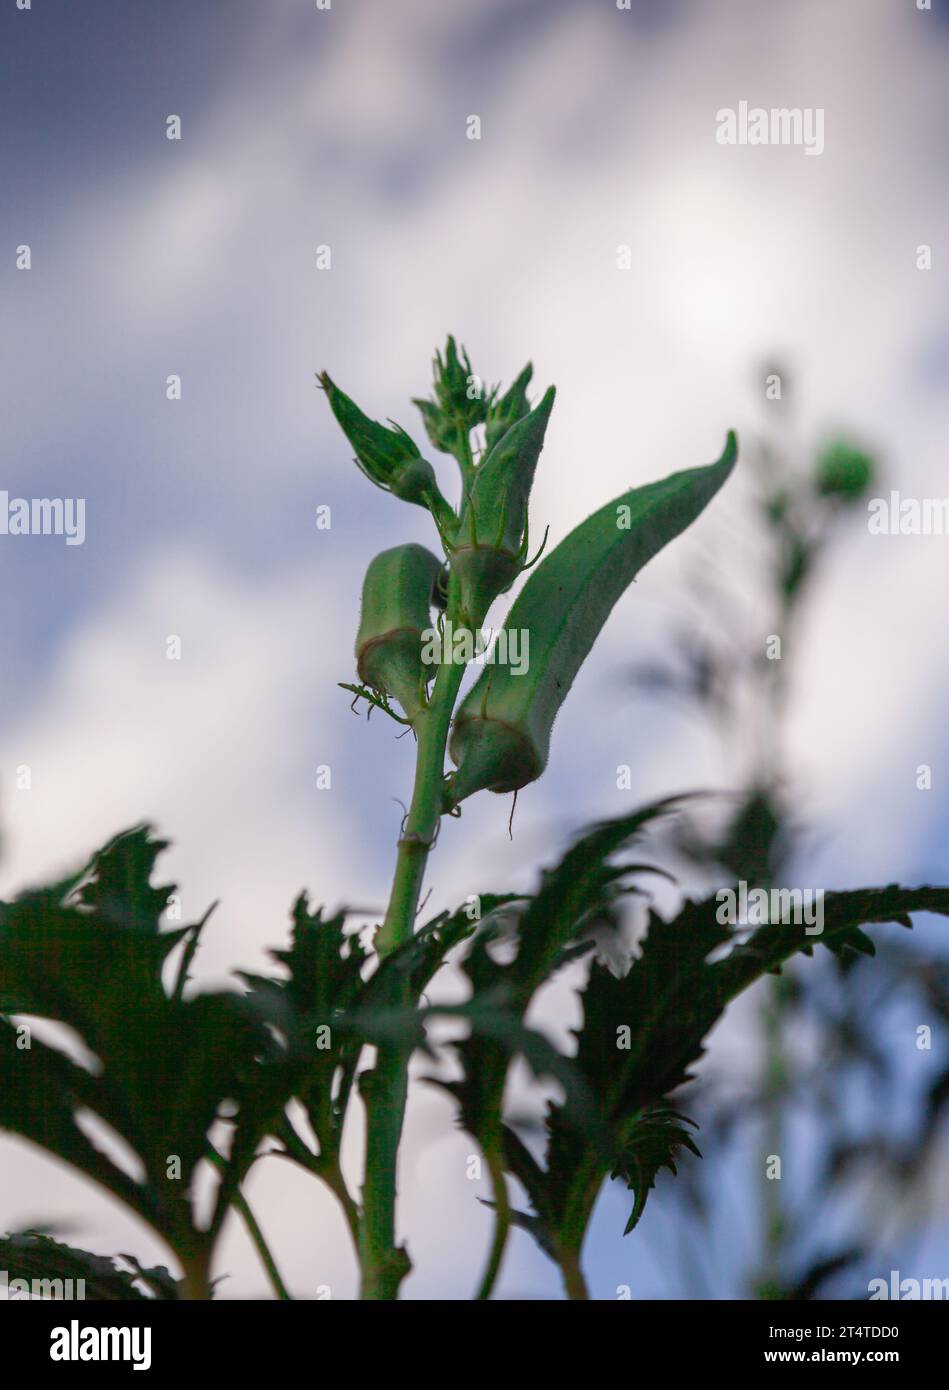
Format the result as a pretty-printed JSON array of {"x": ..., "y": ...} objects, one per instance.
[{"x": 346, "y": 128}]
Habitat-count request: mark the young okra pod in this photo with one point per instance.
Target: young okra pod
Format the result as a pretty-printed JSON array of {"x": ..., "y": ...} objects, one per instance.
[
  {"x": 397, "y": 596},
  {"x": 501, "y": 735},
  {"x": 488, "y": 552}
]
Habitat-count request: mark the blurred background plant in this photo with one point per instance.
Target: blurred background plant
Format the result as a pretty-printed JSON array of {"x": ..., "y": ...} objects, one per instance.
[{"x": 854, "y": 1066}]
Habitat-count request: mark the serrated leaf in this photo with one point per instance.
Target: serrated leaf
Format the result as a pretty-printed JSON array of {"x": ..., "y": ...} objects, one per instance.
[
  {"x": 325, "y": 989},
  {"x": 642, "y": 1031},
  {"x": 89, "y": 952},
  {"x": 653, "y": 1139},
  {"x": 324, "y": 965},
  {"x": 572, "y": 895}
]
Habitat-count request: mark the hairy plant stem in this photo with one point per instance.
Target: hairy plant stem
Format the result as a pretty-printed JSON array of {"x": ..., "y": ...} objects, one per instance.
[
  {"x": 385, "y": 1088},
  {"x": 421, "y": 823}
]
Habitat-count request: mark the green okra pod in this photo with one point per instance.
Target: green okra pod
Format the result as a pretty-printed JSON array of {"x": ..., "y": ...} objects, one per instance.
[
  {"x": 501, "y": 734},
  {"x": 397, "y": 597},
  {"x": 488, "y": 551}
]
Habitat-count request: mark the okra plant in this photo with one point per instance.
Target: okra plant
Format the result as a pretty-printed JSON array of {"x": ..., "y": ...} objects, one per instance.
[{"x": 195, "y": 1080}]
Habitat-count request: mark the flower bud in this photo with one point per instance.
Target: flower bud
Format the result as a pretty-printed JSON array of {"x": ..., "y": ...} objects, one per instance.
[
  {"x": 459, "y": 403},
  {"x": 844, "y": 473},
  {"x": 397, "y": 595},
  {"x": 390, "y": 458}
]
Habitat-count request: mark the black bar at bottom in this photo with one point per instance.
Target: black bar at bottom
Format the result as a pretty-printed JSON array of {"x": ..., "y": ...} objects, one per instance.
[{"x": 168, "y": 1339}]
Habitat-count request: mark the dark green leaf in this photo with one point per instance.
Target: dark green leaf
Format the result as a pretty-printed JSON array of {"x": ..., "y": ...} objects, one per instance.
[
  {"x": 89, "y": 953},
  {"x": 47, "y": 1265}
]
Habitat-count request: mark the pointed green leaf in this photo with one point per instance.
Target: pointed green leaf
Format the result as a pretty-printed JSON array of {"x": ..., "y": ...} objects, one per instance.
[{"x": 323, "y": 982}]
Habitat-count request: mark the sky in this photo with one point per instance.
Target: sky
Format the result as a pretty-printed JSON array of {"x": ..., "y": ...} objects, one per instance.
[{"x": 598, "y": 229}]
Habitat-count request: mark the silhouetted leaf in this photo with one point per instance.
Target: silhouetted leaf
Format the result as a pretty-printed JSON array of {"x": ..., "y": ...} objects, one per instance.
[
  {"x": 653, "y": 1140},
  {"x": 574, "y": 896},
  {"x": 641, "y": 1032},
  {"x": 47, "y": 1264},
  {"x": 89, "y": 952}
]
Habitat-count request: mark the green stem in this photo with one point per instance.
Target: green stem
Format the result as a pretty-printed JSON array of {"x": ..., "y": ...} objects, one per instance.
[
  {"x": 332, "y": 1175},
  {"x": 262, "y": 1248},
  {"x": 775, "y": 1081},
  {"x": 253, "y": 1230},
  {"x": 575, "y": 1285},
  {"x": 196, "y": 1281},
  {"x": 584, "y": 1188},
  {"x": 326, "y": 1168},
  {"x": 421, "y": 823},
  {"x": 385, "y": 1088},
  {"x": 502, "y": 1223}
]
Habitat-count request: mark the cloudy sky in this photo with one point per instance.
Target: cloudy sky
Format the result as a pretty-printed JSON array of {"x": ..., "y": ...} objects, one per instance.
[{"x": 347, "y": 127}]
